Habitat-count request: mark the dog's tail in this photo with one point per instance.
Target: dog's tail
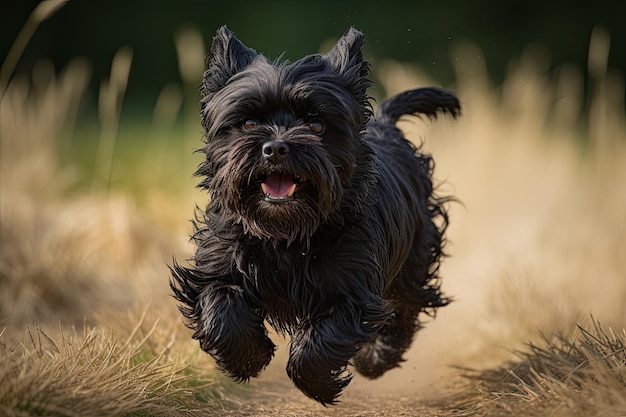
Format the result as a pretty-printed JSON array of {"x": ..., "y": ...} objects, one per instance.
[{"x": 427, "y": 101}]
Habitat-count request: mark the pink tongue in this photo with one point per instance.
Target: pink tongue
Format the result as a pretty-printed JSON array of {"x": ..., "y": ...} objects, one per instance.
[{"x": 278, "y": 185}]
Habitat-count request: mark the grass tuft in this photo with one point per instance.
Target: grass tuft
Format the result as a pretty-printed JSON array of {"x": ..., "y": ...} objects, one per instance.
[
  {"x": 90, "y": 372},
  {"x": 582, "y": 375}
]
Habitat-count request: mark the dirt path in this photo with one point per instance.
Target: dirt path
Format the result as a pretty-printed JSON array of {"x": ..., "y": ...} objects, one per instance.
[
  {"x": 281, "y": 399},
  {"x": 408, "y": 391},
  {"x": 422, "y": 386}
]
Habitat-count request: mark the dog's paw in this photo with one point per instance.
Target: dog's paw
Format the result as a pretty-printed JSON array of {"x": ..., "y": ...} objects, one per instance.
[
  {"x": 376, "y": 358},
  {"x": 247, "y": 360},
  {"x": 322, "y": 385},
  {"x": 318, "y": 362},
  {"x": 232, "y": 332}
]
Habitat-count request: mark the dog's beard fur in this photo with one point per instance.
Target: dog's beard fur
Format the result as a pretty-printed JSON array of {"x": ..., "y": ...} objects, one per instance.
[
  {"x": 321, "y": 222},
  {"x": 236, "y": 184}
]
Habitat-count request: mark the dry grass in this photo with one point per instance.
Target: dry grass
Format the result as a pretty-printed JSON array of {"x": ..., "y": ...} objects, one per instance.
[
  {"x": 92, "y": 373},
  {"x": 582, "y": 375},
  {"x": 536, "y": 246}
]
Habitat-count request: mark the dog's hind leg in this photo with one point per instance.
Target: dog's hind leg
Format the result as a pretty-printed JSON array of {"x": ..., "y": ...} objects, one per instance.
[{"x": 414, "y": 291}]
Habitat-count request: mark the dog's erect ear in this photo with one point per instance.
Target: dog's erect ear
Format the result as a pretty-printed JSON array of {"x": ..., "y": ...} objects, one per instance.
[
  {"x": 346, "y": 59},
  {"x": 346, "y": 53},
  {"x": 228, "y": 56}
]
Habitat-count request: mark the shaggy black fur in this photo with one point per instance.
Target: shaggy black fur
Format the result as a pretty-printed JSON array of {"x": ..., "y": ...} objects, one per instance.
[{"x": 322, "y": 221}]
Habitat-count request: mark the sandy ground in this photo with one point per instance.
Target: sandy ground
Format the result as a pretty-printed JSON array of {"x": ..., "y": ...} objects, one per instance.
[{"x": 419, "y": 387}]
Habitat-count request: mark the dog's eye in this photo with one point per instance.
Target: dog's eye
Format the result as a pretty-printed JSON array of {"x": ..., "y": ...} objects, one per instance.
[
  {"x": 250, "y": 124},
  {"x": 316, "y": 126}
]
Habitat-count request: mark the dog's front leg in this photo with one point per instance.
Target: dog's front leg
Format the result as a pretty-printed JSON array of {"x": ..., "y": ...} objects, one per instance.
[
  {"x": 230, "y": 330},
  {"x": 322, "y": 347}
]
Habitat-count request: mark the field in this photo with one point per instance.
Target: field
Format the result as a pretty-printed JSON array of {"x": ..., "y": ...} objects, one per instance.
[{"x": 537, "y": 245}]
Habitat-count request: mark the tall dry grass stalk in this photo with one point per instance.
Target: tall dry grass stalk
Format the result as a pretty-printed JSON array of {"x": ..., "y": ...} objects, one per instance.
[
  {"x": 42, "y": 11},
  {"x": 191, "y": 52},
  {"x": 166, "y": 110},
  {"x": 37, "y": 117},
  {"x": 110, "y": 108}
]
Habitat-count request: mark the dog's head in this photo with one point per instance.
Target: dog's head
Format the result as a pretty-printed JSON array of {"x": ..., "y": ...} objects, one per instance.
[{"x": 282, "y": 138}]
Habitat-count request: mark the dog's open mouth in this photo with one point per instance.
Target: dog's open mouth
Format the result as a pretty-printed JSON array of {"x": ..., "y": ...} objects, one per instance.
[{"x": 278, "y": 187}]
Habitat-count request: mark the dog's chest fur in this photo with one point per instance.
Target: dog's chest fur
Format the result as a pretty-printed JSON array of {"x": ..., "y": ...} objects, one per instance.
[{"x": 296, "y": 282}]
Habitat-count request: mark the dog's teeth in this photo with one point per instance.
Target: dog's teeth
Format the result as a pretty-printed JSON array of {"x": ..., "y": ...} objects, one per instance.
[
  {"x": 292, "y": 190},
  {"x": 264, "y": 189}
]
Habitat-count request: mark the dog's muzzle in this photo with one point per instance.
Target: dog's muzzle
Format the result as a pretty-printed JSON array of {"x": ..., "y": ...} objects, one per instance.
[{"x": 277, "y": 184}]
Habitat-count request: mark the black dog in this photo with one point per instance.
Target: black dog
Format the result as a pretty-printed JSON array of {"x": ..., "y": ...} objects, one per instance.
[{"x": 321, "y": 221}]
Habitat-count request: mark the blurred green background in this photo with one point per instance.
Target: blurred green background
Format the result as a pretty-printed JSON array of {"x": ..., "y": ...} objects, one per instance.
[{"x": 407, "y": 31}]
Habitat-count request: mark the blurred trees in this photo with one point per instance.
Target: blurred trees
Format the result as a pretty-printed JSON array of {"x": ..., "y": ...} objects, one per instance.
[{"x": 410, "y": 31}]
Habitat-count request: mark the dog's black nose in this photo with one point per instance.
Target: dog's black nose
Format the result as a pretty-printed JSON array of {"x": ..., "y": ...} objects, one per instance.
[{"x": 275, "y": 151}]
